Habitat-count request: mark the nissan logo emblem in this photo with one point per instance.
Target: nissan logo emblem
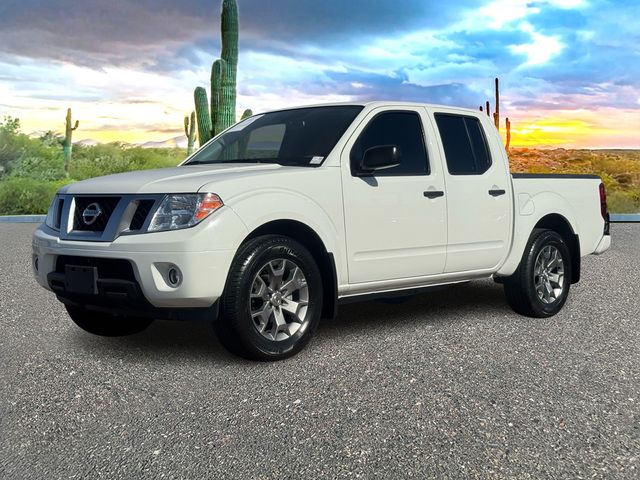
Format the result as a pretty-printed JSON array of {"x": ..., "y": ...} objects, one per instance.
[{"x": 91, "y": 213}]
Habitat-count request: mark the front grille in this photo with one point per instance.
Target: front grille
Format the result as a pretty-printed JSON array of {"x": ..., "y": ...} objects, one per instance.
[
  {"x": 106, "y": 206},
  {"x": 140, "y": 215},
  {"x": 111, "y": 268},
  {"x": 58, "y": 217}
]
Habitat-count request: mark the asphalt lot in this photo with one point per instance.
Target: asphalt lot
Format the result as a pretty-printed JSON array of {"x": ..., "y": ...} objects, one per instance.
[{"x": 448, "y": 384}]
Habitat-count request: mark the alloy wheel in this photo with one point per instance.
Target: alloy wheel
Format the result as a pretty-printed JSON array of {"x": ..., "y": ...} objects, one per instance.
[
  {"x": 548, "y": 274},
  {"x": 279, "y": 300}
]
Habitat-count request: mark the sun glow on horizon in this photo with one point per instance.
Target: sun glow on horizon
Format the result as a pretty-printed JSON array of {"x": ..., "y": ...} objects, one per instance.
[
  {"x": 549, "y": 131},
  {"x": 604, "y": 128}
]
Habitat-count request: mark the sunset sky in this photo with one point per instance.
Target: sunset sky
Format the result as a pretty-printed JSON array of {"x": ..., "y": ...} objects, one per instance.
[{"x": 570, "y": 69}]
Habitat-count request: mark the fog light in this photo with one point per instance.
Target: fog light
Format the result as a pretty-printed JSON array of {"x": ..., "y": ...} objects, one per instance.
[{"x": 174, "y": 276}]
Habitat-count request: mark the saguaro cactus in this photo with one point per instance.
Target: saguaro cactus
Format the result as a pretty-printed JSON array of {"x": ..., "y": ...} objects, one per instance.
[
  {"x": 67, "y": 145},
  {"x": 496, "y": 115},
  {"x": 190, "y": 131},
  {"x": 204, "y": 117},
  {"x": 222, "y": 111}
]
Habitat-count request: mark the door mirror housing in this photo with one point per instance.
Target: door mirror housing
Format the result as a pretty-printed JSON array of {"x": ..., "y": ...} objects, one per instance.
[{"x": 379, "y": 157}]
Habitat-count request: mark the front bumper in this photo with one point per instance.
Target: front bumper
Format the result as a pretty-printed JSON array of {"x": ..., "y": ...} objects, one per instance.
[
  {"x": 116, "y": 295},
  {"x": 204, "y": 272}
]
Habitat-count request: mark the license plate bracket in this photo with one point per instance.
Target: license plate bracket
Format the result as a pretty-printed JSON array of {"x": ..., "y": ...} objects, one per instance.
[{"x": 81, "y": 279}]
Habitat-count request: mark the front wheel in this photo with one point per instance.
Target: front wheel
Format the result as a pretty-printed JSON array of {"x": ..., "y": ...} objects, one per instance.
[
  {"x": 105, "y": 324},
  {"x": 272, "y": 301},
  {"x": 540, "y": 285}
]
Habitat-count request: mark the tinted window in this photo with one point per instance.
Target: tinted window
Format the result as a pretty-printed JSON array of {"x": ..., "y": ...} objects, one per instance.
[
  {"x": 402, "y": 129},
  {"x": 465, "y": 146},
  {"x": 265, "y": 142},
  {"x": 300, "y": 137}
]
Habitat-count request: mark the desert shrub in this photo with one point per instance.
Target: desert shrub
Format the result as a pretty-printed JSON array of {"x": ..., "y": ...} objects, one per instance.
[
  {"x": 621, "y": 201},
  {"x": 106, "y": 159},
  {"x": 619, "y": 170},
  {"x": 20, "y": 196},
  {"x": 609, "y": 182},
  {"x": 11, "y": 142},
  {"x": 45, "y": 167},
  {"x": 98, "y": 160},
  {"x": 148, "y": 158},
  {"x": 32, "y": 169},
  {"x": 28, "y": 157}
]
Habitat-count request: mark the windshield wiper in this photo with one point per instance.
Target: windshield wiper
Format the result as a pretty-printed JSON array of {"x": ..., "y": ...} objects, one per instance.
[
  {"x": 252, "y": 160},
  {"x": 235, "y": 160},
  {"x": 213, "y": 162},
  {"x": 286, "y": 162}
]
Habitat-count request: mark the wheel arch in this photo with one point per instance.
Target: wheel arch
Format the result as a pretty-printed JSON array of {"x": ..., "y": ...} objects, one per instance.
[
  {"x": 525, "y": 225},
  {"x": 561, "y": 225},
  {"x": 310, "y": 239}
]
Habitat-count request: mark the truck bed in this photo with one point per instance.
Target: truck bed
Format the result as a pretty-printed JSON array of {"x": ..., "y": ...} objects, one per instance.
[{"x": 573, "y": 196}]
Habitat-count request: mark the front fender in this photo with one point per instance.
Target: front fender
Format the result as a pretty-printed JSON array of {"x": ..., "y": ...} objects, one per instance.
[{"x": 257, "y": 208}]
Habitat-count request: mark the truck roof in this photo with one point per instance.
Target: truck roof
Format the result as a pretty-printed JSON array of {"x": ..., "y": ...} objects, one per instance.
[{"x": 382, "y": 103}]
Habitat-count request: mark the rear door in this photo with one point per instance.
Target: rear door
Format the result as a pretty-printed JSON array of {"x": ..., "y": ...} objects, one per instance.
[
  {"x": 478, "y": 193},
  {"x": 395, "y": 219}
]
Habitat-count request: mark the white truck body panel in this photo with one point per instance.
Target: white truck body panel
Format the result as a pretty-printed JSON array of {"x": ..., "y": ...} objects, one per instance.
[
  {"x": 572, "y": 198},
  {"x": 387, "y": 237},
  {"x": 383, "y": 233}
]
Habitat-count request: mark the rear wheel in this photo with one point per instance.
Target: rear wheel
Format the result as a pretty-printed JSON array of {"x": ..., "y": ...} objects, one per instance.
[
  {"x": 105, "y": 324},
  {"x": 540, "y": 285},
  {"x": 272, "y": 301}
]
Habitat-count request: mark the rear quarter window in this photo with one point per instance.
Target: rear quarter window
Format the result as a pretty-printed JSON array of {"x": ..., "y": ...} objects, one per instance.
[{"x": 465, "y": 146}]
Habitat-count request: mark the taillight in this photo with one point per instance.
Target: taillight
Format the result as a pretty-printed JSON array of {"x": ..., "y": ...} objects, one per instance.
[
  {"x": 603, "y": 202},
  {"x": 604, "y": 209}
]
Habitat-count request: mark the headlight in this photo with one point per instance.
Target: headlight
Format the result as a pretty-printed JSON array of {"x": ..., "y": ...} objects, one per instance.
[
  {"x": 183, "y": 211},
  {"x": 53, "y": 214}
]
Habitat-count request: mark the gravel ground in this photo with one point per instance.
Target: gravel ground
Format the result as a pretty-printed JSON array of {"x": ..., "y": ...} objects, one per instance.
[{"x": 450, "y": 384}]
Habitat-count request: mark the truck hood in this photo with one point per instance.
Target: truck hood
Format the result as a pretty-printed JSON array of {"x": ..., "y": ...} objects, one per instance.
[{"x": 187, "y": 179}]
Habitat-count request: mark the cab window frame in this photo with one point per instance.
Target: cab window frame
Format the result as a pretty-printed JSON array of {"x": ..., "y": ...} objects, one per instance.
[
  {"x": 483, "y": 136},
  {"x": 389, "y": 172}
]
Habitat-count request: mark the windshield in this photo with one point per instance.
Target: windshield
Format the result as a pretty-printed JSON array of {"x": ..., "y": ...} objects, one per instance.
[{"x": 299, "y": 137}]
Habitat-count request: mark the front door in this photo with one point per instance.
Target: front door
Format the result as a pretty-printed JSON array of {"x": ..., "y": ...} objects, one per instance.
[{"x": 395, "y": 219}]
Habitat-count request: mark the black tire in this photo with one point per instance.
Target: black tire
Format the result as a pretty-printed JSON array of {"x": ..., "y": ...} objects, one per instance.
[
  {"x": 105, "y": 324},
  {"x": 520, "y": 288},
  {"x": 235, "y": 326}
]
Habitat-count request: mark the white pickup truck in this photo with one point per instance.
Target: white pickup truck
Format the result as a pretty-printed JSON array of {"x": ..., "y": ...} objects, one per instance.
[{"x": 274, "y": 222}]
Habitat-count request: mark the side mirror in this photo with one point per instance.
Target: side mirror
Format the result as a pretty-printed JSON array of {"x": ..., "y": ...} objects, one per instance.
[{"x": 380, "y": 158}]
